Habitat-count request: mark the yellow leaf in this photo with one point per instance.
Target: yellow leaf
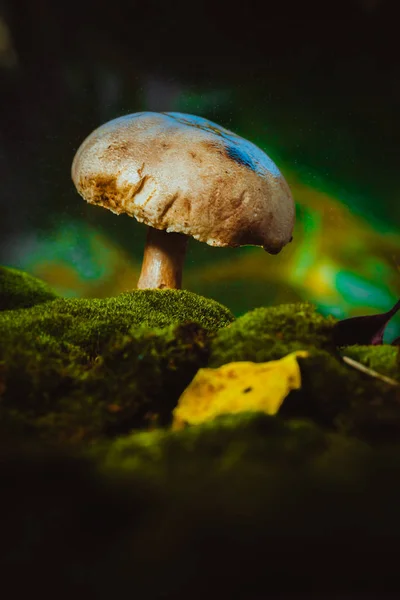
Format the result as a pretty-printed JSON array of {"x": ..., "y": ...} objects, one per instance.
[{"x": 238, "y": 387}]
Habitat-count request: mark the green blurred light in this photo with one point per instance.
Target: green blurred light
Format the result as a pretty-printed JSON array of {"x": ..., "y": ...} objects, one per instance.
[
  {"x": 360, "y": 292},
  {"x": 306, "y": 255},
  {"x": 74, "y": 245},
  {"x": 339, "y": 312}
]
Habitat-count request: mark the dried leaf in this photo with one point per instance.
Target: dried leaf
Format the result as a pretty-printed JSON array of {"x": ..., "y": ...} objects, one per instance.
[
  {"x": 365, "y": 330},
  {"x": 238, "y": 387}
]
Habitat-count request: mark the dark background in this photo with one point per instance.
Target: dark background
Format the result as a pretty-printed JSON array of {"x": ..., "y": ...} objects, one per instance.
[
  {"x": 327, "y": 72},
  {"x": 316, "y": 84}
]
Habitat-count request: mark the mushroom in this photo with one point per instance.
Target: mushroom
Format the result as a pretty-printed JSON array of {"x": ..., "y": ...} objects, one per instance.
[{"x": 183, "y": 175}]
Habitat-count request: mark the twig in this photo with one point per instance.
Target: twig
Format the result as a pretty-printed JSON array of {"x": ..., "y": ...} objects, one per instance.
[{"x": 364, "y": 369}]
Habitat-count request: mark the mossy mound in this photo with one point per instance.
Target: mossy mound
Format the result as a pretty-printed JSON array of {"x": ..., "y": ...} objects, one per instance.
[
  {"x": 21, "y": 290},
  {"x": 343, "y": 399},
  {"x": 56, "y": 391},
  {"x": 80, "y": 370},
  {"x": 270, "y": 333},
  {"x": 383, "y": 358},
  {"x": 74, "y": 369},
  {"x": 247, "y": 506},
  {"x": 90, "y": 323},
  {"x": 332, "y": 393}
]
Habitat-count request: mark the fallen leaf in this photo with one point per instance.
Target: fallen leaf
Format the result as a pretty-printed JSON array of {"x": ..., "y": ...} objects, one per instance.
[
  {"x": 238, "y": 387},
  {"x": 365, "y": 330}
]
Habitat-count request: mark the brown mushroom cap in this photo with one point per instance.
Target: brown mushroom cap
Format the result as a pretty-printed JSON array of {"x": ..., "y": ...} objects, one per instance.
[{"x": 185, "y": 174}]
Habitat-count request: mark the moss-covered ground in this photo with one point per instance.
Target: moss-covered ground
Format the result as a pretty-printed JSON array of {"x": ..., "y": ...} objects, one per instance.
[
  {"x": 101, "y": 499},
  {"x": 21, "y": 290}
]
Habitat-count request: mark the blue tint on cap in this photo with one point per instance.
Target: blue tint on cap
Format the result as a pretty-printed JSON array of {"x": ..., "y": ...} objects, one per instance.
[
  {"x": 239, "y": 155},
  {"x": 237, "y": 148}
]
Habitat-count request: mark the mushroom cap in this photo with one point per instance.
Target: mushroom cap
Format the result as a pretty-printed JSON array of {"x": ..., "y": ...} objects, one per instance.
[{"x": 185, "y": 174}]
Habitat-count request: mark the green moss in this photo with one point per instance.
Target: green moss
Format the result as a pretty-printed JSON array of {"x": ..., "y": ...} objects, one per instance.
[
  {"x": 343, "y": 399},
  {"x": 224, "y": 440},
  {"x": 20, "y": 290},
  {"x": 270, "y": 333},
  {"x": 89, "y": 323},
  {"x": 75, "y": 369},
  {"x": 59, "y": 393},
  {"x": 384, "y": 359}
]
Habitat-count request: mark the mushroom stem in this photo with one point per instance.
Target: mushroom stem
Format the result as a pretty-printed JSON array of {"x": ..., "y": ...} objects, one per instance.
[{"x": 163, "y": 259}]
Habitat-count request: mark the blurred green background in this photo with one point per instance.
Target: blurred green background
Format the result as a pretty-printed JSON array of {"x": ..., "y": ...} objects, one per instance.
[{"x": 318, "y": 93}]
